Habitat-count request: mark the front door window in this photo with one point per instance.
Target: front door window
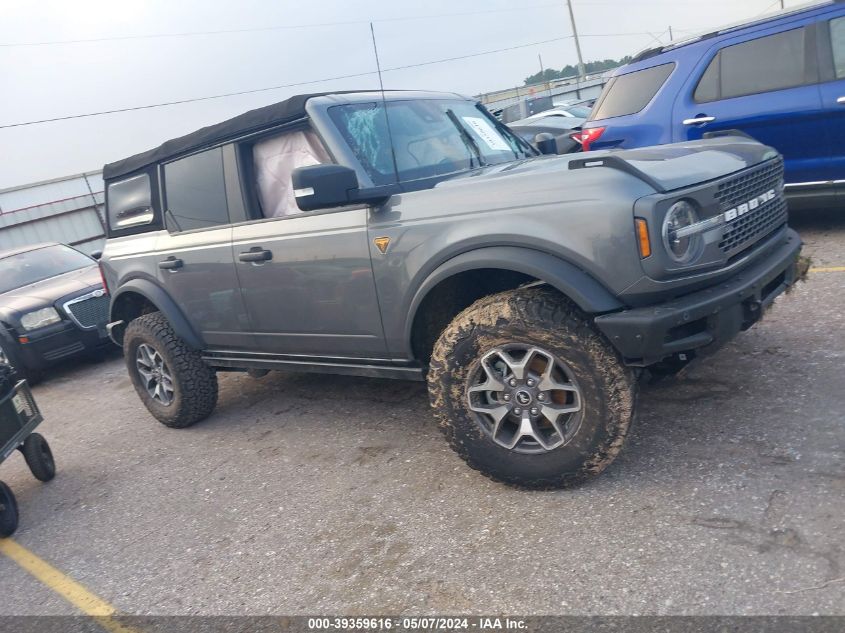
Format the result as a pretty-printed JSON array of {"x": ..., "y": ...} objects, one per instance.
[{"x": 274, "y": 159}]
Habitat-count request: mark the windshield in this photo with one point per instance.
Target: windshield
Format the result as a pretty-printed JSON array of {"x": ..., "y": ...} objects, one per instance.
[
  {"x": 431, "y": 137},
  {"x": 42, "y": 263}
]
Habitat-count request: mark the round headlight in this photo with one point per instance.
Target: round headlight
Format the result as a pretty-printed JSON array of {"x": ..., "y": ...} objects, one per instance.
[{"x": 682, "y": 248}]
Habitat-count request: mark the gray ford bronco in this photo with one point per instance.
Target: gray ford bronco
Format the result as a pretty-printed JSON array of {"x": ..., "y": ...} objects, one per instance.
[{"x": 411, "y": 235}]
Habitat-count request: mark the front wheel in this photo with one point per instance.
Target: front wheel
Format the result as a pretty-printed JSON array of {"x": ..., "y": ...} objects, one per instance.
[
  {"x": 171, "y": 379},
  {"x": 528, "y": 392}
]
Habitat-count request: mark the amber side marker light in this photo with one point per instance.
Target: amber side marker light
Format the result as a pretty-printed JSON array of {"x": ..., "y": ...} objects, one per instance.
[{"x": 642, "y": 237}]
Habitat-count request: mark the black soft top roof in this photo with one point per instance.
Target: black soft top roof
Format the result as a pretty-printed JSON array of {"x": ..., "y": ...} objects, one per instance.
[{"x": 274, "y": 114}]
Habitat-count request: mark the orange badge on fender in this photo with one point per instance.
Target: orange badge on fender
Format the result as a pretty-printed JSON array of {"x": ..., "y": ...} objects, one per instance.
[{"x": 382, "y": 243}]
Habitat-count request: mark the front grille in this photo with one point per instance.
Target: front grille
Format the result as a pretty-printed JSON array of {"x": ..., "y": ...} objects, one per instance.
[
  {"x": 89, "y": 312},
  {"x": 753, "y": 226}
]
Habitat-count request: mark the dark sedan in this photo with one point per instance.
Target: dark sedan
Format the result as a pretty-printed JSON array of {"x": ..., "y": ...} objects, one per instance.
[
  {"x": 560, "y": 127},
  {"x": 52, "y": 306}
]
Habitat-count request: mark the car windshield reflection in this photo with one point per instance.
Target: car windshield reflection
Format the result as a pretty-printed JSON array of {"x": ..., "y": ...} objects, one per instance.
[{"x": 36, "y": 265}]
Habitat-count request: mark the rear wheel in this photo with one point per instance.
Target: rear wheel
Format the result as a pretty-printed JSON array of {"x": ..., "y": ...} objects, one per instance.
[
  {"x": 528, "y": 392},
  {"x": 36, "y": 451},
  {"x": 8, "y": 511},
  {"x": 171, "y": 379}
]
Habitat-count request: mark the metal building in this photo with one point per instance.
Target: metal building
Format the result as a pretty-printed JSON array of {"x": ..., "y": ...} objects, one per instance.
[{"x": 68, "y": 210}]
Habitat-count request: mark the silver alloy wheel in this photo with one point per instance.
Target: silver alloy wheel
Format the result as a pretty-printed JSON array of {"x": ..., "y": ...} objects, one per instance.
[
  {"x": 154, "y": 374},
  {"x": 525, "y": 398}
]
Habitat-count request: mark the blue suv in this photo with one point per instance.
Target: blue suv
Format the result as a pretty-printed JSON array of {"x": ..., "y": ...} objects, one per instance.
[{"x": 780, "y": 80}]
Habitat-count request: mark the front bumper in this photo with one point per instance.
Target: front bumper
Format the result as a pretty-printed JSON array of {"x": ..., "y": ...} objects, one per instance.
[
  {"x": 57, "y": 342},
  {"x": 706, "y": 319}
]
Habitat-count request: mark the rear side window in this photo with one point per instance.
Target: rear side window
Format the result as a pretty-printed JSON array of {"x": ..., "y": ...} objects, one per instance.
[
  {"x": 628, "y": 94},
  {"x": 837, "y": 41},
  {"x": 196, "y": 192},
  {"x": 130, "y": 203},
  {"x": 775, "y": 62},
  {"x": 708, "y": 88}
]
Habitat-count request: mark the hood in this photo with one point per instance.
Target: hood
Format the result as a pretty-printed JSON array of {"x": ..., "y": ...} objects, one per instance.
[
  {"x": 48, "y": 291},
  {"x": 664, "y": 167},
  {"x": 684, "y": 164}
]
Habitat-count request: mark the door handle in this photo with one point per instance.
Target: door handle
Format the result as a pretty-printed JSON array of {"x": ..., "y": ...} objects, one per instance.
[
  {"x": 699, "y": 120},
  {"x": 841, "y": 100},
  {"x": 256, "y": 254},
  {"x": 171, "y": 263}
]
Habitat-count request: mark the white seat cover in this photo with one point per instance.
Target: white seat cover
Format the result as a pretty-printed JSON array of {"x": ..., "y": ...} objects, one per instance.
[{"x": 275, "y": 159}]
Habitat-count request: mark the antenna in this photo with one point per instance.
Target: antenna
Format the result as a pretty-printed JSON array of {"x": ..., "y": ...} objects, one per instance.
[{"x": 384, "y": 105}]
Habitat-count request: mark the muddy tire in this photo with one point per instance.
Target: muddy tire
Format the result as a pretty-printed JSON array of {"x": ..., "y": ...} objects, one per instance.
[
  {"x": 171, "y": 379},
  {"x": 528, "y": 392}
]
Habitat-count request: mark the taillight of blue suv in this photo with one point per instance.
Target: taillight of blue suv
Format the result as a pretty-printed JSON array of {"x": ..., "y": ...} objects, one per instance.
[{"x": 587, "y": 137}]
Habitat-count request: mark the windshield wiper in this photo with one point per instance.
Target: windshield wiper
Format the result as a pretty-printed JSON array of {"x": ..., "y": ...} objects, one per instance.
[
  {"x": 470, "y": 143},
  {"x": 527, "y": 150}
]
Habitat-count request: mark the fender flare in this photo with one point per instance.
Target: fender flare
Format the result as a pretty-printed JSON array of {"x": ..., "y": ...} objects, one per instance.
[
  {"x": 587, "y": 293},
  {"x": 162, "y": 301}
]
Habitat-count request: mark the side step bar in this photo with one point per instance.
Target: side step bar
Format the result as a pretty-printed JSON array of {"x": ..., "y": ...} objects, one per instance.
[{"x": 347, "y": 367}]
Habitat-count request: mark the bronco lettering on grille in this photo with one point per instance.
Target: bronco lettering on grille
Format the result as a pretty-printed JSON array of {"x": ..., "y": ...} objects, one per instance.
[{"x": 751, "y": 205}]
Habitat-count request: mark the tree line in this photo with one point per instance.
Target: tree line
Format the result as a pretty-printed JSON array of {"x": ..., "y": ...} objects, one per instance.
[{"x": 572, "y": 71}]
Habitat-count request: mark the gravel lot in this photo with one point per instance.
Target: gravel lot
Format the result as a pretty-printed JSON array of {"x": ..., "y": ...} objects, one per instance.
[{"x": 308, "y": 494}]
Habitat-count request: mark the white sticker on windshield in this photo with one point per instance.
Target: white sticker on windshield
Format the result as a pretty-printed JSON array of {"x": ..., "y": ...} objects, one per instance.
[{"x": 487, "y": 132}]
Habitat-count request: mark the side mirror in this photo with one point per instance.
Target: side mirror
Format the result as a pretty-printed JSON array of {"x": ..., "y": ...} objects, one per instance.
[
  {"x": 323, "y": 186},
  {"x": 96, "y": 255},
  {"x": 327, "y": 186},
  {"x": 546, "y": 143}
]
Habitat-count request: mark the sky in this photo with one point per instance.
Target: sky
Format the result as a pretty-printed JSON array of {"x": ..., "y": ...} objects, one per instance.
[{"x": 271, "y": 43}]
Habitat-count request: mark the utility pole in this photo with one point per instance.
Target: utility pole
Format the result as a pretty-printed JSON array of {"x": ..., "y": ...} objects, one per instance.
[
  {"x": 543, "y": 75},
  {"x": 581, "y": 69}
]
